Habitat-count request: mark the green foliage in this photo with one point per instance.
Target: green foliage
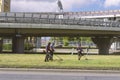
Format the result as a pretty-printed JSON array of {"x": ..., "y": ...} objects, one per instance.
[
  {"x": 7, "y": 46},
  {"x": 28, "y": 46},
  {"x": 66, "y": 40},
  {"x": 87, "y": 39},
  {"x": 66, "y": 43}
]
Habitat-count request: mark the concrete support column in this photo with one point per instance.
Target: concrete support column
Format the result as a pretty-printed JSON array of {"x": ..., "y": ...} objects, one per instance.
[
  {"x": 18, "y": 44},
  {"x": 38, "y": 42},
  {"x": 103, "y": 44},
  {"x": 1, "y": 44}
]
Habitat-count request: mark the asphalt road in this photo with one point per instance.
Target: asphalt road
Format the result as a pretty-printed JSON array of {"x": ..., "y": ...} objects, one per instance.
[{"x": 38, "y": 75}]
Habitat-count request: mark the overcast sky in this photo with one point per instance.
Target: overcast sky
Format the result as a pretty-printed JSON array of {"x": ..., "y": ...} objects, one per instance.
[{"x": 68, "y": 5}]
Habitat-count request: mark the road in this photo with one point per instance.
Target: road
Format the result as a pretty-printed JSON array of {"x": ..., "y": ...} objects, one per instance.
[{"x": 39, "y": 75}]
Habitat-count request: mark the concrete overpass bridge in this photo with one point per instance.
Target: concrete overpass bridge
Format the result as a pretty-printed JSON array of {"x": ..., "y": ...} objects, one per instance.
[
  {"x": 21, "y": 25},
  {"x": 108, "y": 14}
]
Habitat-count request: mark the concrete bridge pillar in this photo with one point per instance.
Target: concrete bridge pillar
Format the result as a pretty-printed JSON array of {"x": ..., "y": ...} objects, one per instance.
[
  {"x": 1, "y": 44},
  {"x": 103, "y": 44},
  {"x": 18, "y": 44},
  {"x": 38, "y": 42}
]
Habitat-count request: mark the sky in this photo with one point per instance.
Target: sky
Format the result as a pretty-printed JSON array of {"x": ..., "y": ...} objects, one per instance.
[{"x": 68, "y": 5}]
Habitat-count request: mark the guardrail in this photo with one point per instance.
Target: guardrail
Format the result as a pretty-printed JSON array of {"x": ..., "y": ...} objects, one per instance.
[
  {"x": 94, "y": 13},
  {"x": 54, "y": 18}
]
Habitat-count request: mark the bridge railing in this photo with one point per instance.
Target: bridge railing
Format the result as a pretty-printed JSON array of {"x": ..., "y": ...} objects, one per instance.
[
  {"x": 93, "y": 13},
  {"x": 53, "y": 18}
]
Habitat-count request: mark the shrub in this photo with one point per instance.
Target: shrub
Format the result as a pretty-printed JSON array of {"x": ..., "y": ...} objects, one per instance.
[
  {"x": 66, "y": 43},
  {"x": 28, "y": 46},
  {"x": 7, "y": 46}
]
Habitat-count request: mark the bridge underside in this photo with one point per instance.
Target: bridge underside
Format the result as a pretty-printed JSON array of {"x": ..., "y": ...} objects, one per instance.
[
  {"x": 102, "y": 39},
  {"x": 55, "y": 32},
  {"x": 102, "y": 36}
]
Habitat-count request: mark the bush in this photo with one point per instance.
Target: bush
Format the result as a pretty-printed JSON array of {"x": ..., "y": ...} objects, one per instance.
[
  {"x": 28, "y": 46},
  {"x": 66, "y": 43},
  {"x": 7, "y": 46}
]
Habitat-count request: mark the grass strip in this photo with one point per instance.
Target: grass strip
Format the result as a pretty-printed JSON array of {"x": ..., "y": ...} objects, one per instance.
[{"x": 101, "y": 62}]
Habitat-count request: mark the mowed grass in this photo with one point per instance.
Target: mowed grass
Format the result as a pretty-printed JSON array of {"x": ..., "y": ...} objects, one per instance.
[{"x": 69, "y": 61}]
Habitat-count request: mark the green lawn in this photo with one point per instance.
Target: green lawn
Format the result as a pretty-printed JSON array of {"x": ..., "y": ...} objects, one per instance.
[{"x": 69, "y": 61}]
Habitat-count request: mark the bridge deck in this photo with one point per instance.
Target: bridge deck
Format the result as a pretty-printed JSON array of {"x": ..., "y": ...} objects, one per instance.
[{"x": 39, "y": 18}]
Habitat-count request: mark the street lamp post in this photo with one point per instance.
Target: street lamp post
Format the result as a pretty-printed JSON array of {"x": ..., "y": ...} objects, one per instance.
[{"x": 60, "y": 6}]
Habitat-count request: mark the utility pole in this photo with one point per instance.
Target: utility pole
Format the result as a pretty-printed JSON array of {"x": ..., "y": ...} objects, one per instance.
[
  {"x": 60, "y": 6},
  {"x": 60, "y": 9}
]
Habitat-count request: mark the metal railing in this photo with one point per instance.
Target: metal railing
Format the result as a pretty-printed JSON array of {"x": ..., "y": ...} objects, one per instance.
[
  {"x": 46, "y": 18},
  {"x": 94, "y": 13}
]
